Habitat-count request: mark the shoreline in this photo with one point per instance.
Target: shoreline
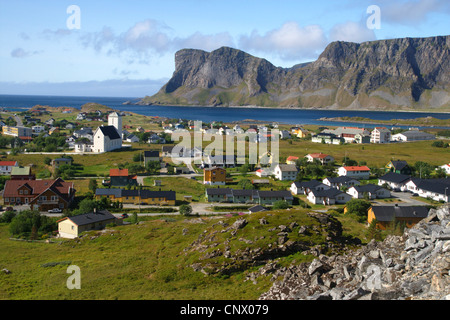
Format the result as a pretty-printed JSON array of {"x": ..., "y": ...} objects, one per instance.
[{"x": 289, "y": 108}]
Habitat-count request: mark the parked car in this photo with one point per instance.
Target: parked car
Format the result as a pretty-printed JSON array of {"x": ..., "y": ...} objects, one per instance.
[
  {"x": 55, "y": 210},
  {"x": 124, "y": 215}
]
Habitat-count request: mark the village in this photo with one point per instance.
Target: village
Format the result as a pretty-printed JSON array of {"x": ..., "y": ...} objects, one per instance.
[{"x": 206, "y": 184}]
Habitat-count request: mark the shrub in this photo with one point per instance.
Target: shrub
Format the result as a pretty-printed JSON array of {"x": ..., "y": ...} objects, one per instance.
[
  {"x": 280, "y": 205},
  {"x": 185, "y": 209}
]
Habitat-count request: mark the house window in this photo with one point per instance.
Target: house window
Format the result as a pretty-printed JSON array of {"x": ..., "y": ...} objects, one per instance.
[
  {"x": 6, "y": 199},
  {"x": 54, "y": 198},
  {"x": 20, "y": 191}
]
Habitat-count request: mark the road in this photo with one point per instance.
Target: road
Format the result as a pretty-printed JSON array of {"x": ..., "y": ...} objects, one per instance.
[{"x": 406, "y": 199}]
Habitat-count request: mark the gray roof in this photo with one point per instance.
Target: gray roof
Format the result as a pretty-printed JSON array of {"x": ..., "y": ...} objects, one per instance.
[
  {"x": 395, "y": 177},
  {"x": 151, "y": 154},
  {"x": 110, "y": 131},
  {"x": 244, "y": 192},
  {"x": 218, "y": 191},
  {"x": 257, "y": 208},
  {"x": 307, "y": 184},
  {"x": 367, "y": 188},
  {"x": 415, "y": 133},
  {"x": 92, "y": 217},
  {"x": 387, "y": 213},
  {"x": 329, "y": 193},
  {"x": 340, "y": 179},
  {"x": 275, "y": 194},
  {"x": 288, "y": 167},
  {"x": 144, "y": 193}
]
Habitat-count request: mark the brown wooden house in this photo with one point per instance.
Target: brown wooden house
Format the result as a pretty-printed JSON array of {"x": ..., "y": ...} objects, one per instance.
[
  {"x": 384, "y": 215},
  {"x": 42, "y": 195}
]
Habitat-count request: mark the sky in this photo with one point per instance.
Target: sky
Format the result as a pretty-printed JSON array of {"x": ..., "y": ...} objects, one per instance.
[{"x": 126, "y": 48}]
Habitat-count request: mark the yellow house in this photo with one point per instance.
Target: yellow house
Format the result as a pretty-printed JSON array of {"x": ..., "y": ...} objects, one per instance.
[
  {"x": 72, "y": 227},
  {"x": 384, "y": 215},
  {"x": 301, "y": 133},
  {"x": 214, "y": 176},
  {"x": 136, "y": 196}
]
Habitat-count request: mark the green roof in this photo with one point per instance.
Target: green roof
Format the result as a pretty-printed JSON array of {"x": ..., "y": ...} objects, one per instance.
[{"x": 21, "y": 171}]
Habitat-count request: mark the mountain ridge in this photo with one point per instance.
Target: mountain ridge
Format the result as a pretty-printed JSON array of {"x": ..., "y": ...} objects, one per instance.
[{"x": 409, "y": 74}]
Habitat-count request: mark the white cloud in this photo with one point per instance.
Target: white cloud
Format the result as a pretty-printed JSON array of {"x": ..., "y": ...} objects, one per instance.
[
  {"x": 201, "y": 41},
  {"x": 410, "y": 12},
  {"x": 352, "y": 32},
  {"x": 115, "y": 87},
  {"x": 290, "y": 41},
  {"x": 21, "y": 53}
]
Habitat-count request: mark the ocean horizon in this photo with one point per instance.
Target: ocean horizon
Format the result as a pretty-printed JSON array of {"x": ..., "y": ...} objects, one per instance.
[{"x": 209, "y": 114}]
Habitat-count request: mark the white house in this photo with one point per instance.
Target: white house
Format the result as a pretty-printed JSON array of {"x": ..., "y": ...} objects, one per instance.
[
  {"x": 329, "y": 196},
  {"x": 348, "y": 133},
  {"x": 371, "y": 190},
  {"x": 37, "y": 129},
  {"x": 285, "y": 172},
  {"x": 264, "y": 172},
  {"x": 6, "y": 167},
  {"x": 356, "y": 172},
  {"x": 446, "y": 168},
  {"x": 321, "y": 157},
  {"x": 83, "y": 146},
  {"x": 305, "y": 187},
  {"x": 339, "y": 182},
  {"x": 380, "y": 135},
  {"x": 395, "y": 181},
  {"x": 436, "y": 189},
  {"x": 412, "y": 135}
]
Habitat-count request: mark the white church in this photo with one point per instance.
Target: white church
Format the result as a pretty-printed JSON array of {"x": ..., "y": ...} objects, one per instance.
[{"x": 108, "y": 138}]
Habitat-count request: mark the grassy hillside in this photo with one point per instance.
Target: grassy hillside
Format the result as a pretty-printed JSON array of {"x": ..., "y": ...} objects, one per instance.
[{"x": 151, "y": 260}]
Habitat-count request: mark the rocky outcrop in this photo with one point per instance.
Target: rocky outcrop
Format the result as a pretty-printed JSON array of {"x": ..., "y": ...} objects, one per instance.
[
  {"x": 272, "y": 242},
  {"x": 406, "y": 73},
  {"x": 413, "y": 266}
]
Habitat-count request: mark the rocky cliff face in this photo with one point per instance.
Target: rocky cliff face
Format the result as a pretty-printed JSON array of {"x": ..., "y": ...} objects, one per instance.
[{"x": 400, "y": 74}]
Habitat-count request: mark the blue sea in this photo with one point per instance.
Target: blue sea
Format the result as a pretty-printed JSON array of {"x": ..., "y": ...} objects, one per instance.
[{"x": 209, "y": 114}]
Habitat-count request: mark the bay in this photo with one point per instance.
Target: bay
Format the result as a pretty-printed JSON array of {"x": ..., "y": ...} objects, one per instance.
[{"x": 209, "y": 114}]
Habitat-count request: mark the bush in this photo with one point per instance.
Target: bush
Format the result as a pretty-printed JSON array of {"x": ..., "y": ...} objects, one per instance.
[
  {"x": 185, "y": 209},
  {"x": 31, "y": 223},
  {"x": 280, "y": 205},
  {"x": 358, "y": 207}
]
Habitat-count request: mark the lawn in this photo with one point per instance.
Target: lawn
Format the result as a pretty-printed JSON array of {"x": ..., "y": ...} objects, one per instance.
[
  {"x": 183, "y": 186},
  {"x": 136, "y": 262}
]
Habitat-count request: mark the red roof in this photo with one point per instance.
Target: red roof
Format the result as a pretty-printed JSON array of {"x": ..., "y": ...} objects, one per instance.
[
  {"x": 357, "y": 168},
  {"x": 37, "y": 187},
  {"x": 292, "y": 158},
  {"x": 8, "y": 163},
  {"x": 118, "y": 172},
  {"x": 318, "y": 155}
]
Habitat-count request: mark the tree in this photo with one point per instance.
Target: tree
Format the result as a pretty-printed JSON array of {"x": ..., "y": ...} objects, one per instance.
[
  {"x": 153, "y": 167},
  {"x": 185, "y": 209},
  {"x": 93, "y": 185},
  {"x": 281, "y": 204},
  {"x": 32, "y": 223},
  {"x": 373, "y": 232},
  {"x": 358, "y": 207},
  {"x": 246, "y": 184}
]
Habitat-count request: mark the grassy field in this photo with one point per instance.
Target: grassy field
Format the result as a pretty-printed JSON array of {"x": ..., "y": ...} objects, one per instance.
[
  {"x": 150, "y": 260},
  {"x": 143, "y": 261}
]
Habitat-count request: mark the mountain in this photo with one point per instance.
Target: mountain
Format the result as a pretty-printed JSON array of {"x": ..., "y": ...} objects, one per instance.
[{"x": 396, "y": 74}]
